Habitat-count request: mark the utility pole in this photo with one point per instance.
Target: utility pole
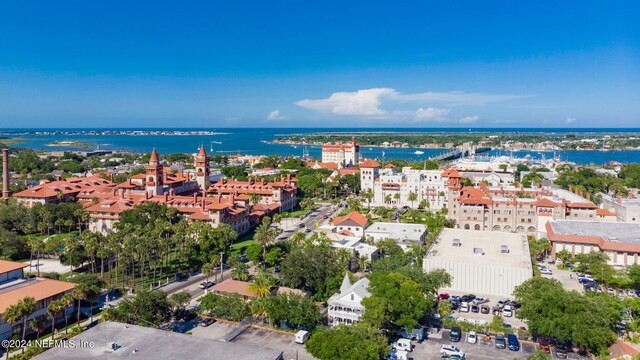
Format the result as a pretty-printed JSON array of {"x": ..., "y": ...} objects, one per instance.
[{"x": 221, "y": 266}]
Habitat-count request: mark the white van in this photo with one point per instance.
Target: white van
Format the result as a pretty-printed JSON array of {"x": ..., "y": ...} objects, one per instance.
[
  {"x": 302, "y": 336},
  {"x": 403, "y": 344},
  {"x": 507, "y": 311}
]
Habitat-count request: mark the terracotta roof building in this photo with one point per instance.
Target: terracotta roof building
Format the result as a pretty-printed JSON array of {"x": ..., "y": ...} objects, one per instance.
[
  {"x": 282, "y": 192},
  {"x": 14, "y": 287},
  {"x": 352, "y": 224},
  {"x": 231, "y": 286},
  {"x": 619, "y": 241},
  {"x": 344, "y": 155}
]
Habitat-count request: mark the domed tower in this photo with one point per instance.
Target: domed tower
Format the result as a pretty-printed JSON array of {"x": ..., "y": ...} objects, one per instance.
[
  {"x": 155, "y": 177},
  {"x": 202, "y": 168}
]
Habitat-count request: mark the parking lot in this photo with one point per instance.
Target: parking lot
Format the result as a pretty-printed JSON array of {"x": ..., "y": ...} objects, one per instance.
[
  {"x": 483, "y": 350},
  {"x": 256, "y": 336}
]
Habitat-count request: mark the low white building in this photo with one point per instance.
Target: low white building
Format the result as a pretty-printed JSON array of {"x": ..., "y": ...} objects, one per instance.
[
  {"x": 481, "y": 262},
  {"x": 346, "y": 306},
  {"x": 403, "y": 234},
  {"x": 352, "y": 224}
]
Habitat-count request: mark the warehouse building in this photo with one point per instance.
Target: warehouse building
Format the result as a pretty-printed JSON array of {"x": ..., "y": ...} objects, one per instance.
[
  {"x": 113, "y": 340},
  {"x": 481, "y": 262}
]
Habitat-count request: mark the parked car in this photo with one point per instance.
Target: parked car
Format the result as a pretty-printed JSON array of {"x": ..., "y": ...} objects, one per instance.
[
  {"x": 475, "y": 308},
  {"x": 206, "y": 284},
  {"x": 403, "y": 344},
  {"x": 276, "y": 269},
  {"x": 513, "y": 343},
  {"x": 455, "y": 334},
  {"x": 457, "y": 298},
  {"x": 451, "y": 350},
  {"x": 507, "y": 311},
  {"x": 302, "y": 336},
  {"x": 544, "y": 346},
  {"x": 443, "y": 296},
  {"x": 546, "y": 271},
  {"x": 500, "y": 342},
  {"x": 561, "y": 352},
  {"x": 467, "y": 297},
  {"x": 472, "y": 338},
  {"x": 479, "y": 301},
  {"x": 206, "y": 322},
  {"x": 484, "y": 309},
  {"x": 186, "y": 315},
  {"x": 464, "y": 307}
]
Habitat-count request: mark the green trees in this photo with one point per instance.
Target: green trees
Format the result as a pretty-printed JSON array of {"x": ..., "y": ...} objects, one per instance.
[
  {"x": 292, "y": 311},
  {"x": 312, "y": 268},
  {"x": 567, "y": 315},
  {"x": 355, "y": 342},
  {"x": 26, "y": 307},
  {"x": 396, "y": 301},
  {"x": 240, "y": 271},
  {"x": 146, "y": 308},
  {"x": 254, "y": 253},
  {"x": 231, "y": 307},
  {"x": 368, "y": 195},
  {"x": 179, "y": 300}
]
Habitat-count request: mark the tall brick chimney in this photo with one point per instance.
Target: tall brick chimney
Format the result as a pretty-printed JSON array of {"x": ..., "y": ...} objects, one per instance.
[{"x": 5, "y": 174}]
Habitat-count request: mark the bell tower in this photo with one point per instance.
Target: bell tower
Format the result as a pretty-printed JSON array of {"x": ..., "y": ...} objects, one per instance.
[
  {"x": 155, "y": 177},
  {"x": 202, "y": 168}
]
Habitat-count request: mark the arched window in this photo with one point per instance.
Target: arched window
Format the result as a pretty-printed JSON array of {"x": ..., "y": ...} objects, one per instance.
[
  {"x": 477, "y": 227},
  {"x": 466, "y": 226}
]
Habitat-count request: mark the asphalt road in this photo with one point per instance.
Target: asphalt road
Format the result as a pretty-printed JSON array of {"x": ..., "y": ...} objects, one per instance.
[{"x": 310, "y": 221}]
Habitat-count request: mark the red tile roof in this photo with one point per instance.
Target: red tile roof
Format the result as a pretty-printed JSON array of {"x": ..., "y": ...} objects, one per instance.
[
  {"x": 6, "y": 266},
  {"x": 39, "y": 289},
  {"x": 369, "y": 164},
  {"x": 154, "y": 156},
  {"x": 451, "y": 173},
  {"x": 231, "y": 286},
  {"x": 353, "y": 216},
  {"x": 604, "y": 212},
  {"x": 544, "y": 202}
]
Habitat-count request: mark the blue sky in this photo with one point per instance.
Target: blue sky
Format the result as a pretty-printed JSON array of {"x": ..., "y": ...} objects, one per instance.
[{"x": 331, "y": 64}]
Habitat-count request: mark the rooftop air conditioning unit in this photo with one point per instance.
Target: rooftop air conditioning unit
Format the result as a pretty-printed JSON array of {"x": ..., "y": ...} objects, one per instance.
[
  {"x": 457, "y": 242},
  {"x": 504, "y": 249},
  {"x": 112, "y": 346},
  {"x": 478, "y": 251}
]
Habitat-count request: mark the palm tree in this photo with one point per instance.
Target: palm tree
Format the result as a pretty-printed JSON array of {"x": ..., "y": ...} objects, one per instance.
[
  {"x": 412, "y": 197},
  {"x": 67, "y": 300},
  {"x": 368, "y": 195},
  {"x": 363, "y": 263},
  {"x": 424, "y": 204},
  {"x": 208, "y": 269},
  {"x": 79, "y": 293},
  {"x": 298, "y": 238},
  {"x": 260, "y": 286},
  {"x": 26, "y": 307},
  {"x": 387, "y": 199},
  {"x": 345, "y": 257},
  {"x": 396, "y": 197},
  {"x": 240, "y": 272},
  {"x": 265, "y": 236},
  {"x": 258, "y": 308},
  {"x": 255, "y": 198},
  {"x": 11, "y": 316},
  {"x": 39, "y": 324},
  {"x": 354, "y": 204},
  {"x": 55, "y": 308}
]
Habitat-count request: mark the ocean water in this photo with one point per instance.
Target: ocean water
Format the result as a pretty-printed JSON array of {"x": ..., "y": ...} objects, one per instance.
[{"x": 252, "y": 141}]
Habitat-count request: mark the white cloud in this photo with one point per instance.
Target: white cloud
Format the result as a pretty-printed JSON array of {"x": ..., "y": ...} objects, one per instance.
[
  {"x": 369, "y": 102},
  {"x": 469, "y": 119},
  {"x": 361, "y": 102},
  {"x": 275, "y": 115},
  {"x": 432, "y": 113},
  {"x": 569, "y": 120}
]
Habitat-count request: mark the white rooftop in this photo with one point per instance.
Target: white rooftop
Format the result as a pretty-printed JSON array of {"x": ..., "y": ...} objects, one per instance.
[
  {"x": 482, "y": 247},
  {"x": 628, "y": 233},
  {"x": 397, "y": 231}
]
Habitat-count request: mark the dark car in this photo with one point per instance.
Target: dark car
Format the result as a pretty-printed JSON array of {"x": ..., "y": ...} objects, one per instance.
[
  {"x": 484, "y": 309},
  {"x": 475, "y": 308},
  {"x": 561, "y": 352},
  {"x": 514, "y": 344},
  {"x": 206, "y": 322},
  {"x": 186, "y": 315},
  {"x": 276, "y": 269},
  {"x": 456, "y": 334},
  {"x": 243, "y": 258},
  {"x": 467, "y": 298},
  {"x": 500, "y": 342}
]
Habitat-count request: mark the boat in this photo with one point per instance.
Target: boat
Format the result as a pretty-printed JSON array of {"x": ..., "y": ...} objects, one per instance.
[{"x": 418, "y": 152}]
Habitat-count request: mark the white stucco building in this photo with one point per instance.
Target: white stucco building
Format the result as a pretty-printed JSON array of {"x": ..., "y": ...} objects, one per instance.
[
  {"x": 342, "y": 154},
  {"x": 393, "y": 188},
  {"x": 481, "y": 262}
]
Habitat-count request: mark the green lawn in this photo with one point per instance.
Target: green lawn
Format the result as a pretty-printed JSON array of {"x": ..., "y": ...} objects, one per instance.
[{"x": 241, "y": 244}]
